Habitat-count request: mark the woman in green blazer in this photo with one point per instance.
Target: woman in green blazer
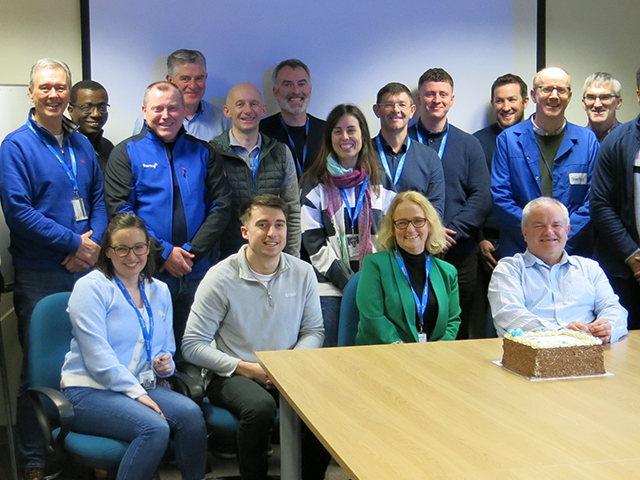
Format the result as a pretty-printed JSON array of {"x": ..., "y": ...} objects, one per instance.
[{"x": 405, "y": 293}]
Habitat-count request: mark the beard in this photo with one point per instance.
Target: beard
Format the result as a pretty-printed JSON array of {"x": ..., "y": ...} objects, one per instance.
[{"x": 284, "y": 105}]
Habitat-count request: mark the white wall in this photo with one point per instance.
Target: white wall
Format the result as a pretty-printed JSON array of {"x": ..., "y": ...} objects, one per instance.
[
  {"x": 352, "y": 48},
  {"x": 586, "y": 36}
]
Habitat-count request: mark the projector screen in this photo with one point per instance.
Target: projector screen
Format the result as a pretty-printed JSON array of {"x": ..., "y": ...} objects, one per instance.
[{"x": 352, "y": 48}]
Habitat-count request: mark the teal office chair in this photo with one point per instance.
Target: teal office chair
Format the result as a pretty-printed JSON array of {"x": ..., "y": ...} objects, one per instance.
[
  {"x": 49, "y": 340},
  {"x": 349, "y": 314}
]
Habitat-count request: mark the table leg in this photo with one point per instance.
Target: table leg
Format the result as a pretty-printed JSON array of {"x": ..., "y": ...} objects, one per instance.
[{"x": 290, "y": 457}]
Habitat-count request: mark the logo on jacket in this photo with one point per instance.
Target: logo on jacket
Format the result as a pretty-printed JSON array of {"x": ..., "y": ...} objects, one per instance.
[{"x": 148, "y": 165}]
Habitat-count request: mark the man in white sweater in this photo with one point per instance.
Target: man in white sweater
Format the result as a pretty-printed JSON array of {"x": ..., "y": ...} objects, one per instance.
[{"x": 257, "y": 299}]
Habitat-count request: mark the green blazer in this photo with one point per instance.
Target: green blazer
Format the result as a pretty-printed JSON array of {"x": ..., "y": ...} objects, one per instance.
[{"x": 386, "y": 304}]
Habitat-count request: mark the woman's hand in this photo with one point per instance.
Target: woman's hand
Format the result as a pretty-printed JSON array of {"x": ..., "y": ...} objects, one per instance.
[
  {"x": 163, "y": 365},
  {"x": 147, "y": 402}
]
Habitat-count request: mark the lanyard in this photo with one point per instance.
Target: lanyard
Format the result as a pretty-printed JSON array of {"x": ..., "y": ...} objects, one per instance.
[
  {"x": 443, "y": 142},
  {"x": 146, "y": 334},
  {"x": 421, "y": 306},
  {"x": 71, "y": 174},
  {"x": 256, "y": 162},
  {"x": 354, "y": 217},
  {"x": 385, "y": 164},
  {"x": 299, "y": 163}
]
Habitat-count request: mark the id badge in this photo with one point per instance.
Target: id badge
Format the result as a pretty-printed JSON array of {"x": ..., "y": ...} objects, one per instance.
[
  {"x": 78, "y": 209},
  {"x": 422, "y": 338},
  {"x": 353, "y": 246},
  {"x": 147, "y": 379}
]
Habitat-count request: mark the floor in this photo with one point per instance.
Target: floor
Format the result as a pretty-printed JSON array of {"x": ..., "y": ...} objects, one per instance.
[{"x": 221, "y": 468}]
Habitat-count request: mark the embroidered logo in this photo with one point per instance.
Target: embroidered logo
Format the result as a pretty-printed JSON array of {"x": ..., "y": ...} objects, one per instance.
[
  {"x": 148, "y": 165},
  {"x": 290, "y": 294}
]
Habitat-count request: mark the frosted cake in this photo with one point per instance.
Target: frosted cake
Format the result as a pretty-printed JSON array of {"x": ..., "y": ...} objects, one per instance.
[{"x": 557, "y": 353}]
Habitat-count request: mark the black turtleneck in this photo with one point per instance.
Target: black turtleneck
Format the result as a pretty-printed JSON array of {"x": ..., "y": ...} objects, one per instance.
[{"x": 417, "y": 275}]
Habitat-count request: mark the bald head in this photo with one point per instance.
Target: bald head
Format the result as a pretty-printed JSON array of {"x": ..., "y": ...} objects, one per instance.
[
  {"x": 244, "y": 107},
  {"x": 551, "y": 93},
  {"x": 551, "y": 73}
]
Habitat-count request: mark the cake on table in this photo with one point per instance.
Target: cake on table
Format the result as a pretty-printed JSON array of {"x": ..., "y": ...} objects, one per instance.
[{"x": 549, "y": 354}]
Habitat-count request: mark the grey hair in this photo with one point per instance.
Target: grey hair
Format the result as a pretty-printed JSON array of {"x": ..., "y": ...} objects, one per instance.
[
  {"x": 543, "y": 202},
  {"x": 49, "y": 62},
  {"x": 182, "y": 56},
  {"x": 600, "y": 79},
  {"x": 291, "y": 63}
]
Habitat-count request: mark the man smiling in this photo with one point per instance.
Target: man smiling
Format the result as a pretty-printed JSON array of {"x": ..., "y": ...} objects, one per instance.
[
  {"x": 545, "y": 156},
  {"x": 546, "y": 289},
  {"x": 293, "y": 126},
  {"x": 255, "y": 164},
  {"x": 187, "y": 69},
  {"x": 601, "y": 99},
  {"x": 175, "y": 184},
  {"x": 89, "y": 109},
  {"x": 409, "y": 164}
]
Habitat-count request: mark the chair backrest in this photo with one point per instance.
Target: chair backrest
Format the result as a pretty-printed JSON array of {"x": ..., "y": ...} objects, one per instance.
[
  {"x": 49, "y": 340},
  {"x": 349, "y": 314}
]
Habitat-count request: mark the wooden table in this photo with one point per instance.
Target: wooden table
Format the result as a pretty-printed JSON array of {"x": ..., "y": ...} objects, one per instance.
[{"x": 443, "y": 410}]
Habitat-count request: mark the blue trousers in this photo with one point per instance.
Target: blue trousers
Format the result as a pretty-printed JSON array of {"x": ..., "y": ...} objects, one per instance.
[
  {"x": 31, "y": 286},
  {"x": 115, "y": 415}
]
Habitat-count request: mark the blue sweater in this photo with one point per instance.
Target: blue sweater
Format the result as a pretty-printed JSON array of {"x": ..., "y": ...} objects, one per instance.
[
  {"x": 467, "y": 183},
  {"x": 106, "y": 352},
  {"x": 37, "y": 193}
]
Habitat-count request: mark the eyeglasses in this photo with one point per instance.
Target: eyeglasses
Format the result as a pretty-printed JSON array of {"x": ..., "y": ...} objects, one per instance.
[
  {"x": 392, "y": 105},
  {"x": 404, "y": 224},
  {"x": 605, "y": 99},
  {"x": 139, "y": 249},
  {"x": 88, "y": 107},
  {"x": 548, "y": 90}
]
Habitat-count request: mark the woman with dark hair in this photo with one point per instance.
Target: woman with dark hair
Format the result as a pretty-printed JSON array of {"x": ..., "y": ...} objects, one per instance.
[
  {"x": 121, "y": 351},
  {"x": 405, "y": 293},
  {"x": 344, "y": 197}
]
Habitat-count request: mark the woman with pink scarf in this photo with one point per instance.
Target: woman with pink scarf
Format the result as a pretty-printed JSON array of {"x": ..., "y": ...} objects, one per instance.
[{"x": 344, "y": 198}]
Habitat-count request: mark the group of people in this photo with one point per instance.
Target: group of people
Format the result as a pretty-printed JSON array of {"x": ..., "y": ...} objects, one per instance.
[{"x": 181, "y": 243}]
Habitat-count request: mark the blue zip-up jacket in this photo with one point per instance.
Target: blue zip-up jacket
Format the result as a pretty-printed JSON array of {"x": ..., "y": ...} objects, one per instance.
[
  {"x": 515, "y": 181},
  {"x": 37, "y": 193},
  {"x": 138, "y": 180}
]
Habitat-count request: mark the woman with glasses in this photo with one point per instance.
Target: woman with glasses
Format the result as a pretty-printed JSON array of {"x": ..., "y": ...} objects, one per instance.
[
  {"x": 344, "y": 197},
  {"x": 406, "y": 293},
  {"x": 121, "y": 352}
]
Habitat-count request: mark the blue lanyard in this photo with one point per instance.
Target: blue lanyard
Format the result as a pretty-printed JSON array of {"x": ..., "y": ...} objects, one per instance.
[
  {"x": 421, "y": 306},
  {"x": 299, "y": 163},
  {"x": 256, "y": 162},
  {"x": 146, "y": 334},
  {"x": 443, "y": 143},
  {"x": 354, "y": 217},
  {"x": 385, "y": 164},
  {"x": 71, "y": 174}
]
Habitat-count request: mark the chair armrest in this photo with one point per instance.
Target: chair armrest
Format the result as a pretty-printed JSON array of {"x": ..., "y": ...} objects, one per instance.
[
  {"x": 52, "y": 410},
  {"x": 187, "y": 386}
]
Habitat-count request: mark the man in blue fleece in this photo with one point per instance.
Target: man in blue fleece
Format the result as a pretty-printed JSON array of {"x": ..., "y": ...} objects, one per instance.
[{"x": 51, "y": 188}]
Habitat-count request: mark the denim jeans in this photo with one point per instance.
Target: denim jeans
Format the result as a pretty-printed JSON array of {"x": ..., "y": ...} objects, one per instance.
[
  {"x": 30, "y": 287},
  {"x": 115, "y": 415},
  {"x": 182, "y": 291},
  {"x": 331, "y": 317}
]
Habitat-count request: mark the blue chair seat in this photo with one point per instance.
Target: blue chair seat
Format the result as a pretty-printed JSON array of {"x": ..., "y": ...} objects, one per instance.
[{"x": 96, "y": 452}]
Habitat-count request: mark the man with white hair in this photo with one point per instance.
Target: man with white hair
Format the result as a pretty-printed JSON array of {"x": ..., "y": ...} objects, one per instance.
[
  {"x": 293, "y": 126},
  {"x": 601, "y": 99},
  {"x": 545, "y": 156},
  {"x": 51, "y": 188},
  {"x": 544, "y": 288}
]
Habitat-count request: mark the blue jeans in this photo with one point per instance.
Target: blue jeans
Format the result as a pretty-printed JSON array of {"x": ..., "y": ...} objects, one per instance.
[
  {"x": 115, "y": 415},
  {"x": 31, "y": 286},
  {"x": 182, "y": 291},
  {"x": 331, "y": 316}
]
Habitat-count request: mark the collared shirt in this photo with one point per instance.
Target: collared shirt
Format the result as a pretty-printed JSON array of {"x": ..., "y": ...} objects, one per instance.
[
  {"x": 526, "y": 293},
  {"x": 248, "y": 156},
  {"x": 206, "y": 124}
]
